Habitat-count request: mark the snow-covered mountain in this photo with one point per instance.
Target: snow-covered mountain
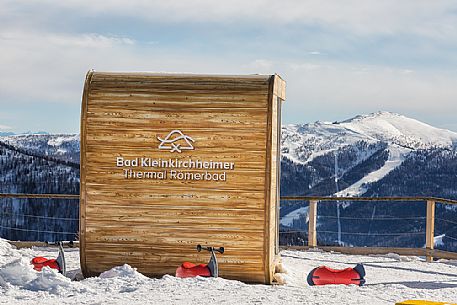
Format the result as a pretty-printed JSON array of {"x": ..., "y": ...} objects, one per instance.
[
  {"x": 379, "y": 154},
  {"x": 64, "y": 147},
  {"x": 362, "y": 137},
  {"x": 398, "y": 129},
  {"x": 302, "y": 142}
]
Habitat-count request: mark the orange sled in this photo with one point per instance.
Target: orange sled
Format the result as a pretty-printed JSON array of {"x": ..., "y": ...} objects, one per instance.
[
  {"x": 58, "y": 263},
  {"x": 207, "y": 270},
  {"x": 324, "y": 276}
]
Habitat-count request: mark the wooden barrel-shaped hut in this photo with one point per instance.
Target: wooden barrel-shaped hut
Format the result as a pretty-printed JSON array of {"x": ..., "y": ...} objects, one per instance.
[{"x": 170, "y": 161}]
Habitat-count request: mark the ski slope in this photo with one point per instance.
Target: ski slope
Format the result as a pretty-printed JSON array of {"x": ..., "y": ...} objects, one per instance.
[
  {"x": 389, "y": 279},
  {"x": 397, "y": 155},
  {"x": 288, "y": 220}
]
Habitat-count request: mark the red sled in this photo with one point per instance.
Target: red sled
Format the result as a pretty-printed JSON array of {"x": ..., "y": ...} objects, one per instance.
[
  {"x": 191, "y": 270},
  {"x": 326, "y": 276},
  {"x": 207, "y": 270},
  {"x": 58, "y": 263}
]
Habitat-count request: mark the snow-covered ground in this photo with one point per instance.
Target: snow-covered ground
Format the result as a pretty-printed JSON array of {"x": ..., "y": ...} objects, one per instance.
[{"x": 389, "y": 279}]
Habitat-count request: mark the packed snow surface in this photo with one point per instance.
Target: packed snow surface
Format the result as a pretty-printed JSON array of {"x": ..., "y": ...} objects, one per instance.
[{"x": 390, "y": 279}]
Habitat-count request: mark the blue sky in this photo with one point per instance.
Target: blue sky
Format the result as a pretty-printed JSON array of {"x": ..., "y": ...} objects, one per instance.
[{"x": 340, "y": 58}]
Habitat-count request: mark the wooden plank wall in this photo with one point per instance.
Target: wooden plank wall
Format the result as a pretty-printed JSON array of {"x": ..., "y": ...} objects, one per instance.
[
  {"x": 272, "y": 227},
  {"x": 155, "y": 224}
]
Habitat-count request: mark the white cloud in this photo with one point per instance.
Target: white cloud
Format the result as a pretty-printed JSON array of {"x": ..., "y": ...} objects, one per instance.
[
  {"x": 431, "y": 18},
  {"x": 306, "y": 66},
  {"x": 50, "y": 66},
  {"x": 86, "y": 40},
  {"x": 262, "y": 65},
  {"x": 42, "y": 62},
  {"x": 4, "y": 127},
  {"x": 327, "y": 90}
]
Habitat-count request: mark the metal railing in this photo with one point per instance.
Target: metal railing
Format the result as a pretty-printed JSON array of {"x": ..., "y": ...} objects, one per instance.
[
  {"x": 312, "y": 242},
  {"x": 23, "y": 223},
  {"x": 430, "y": 218},
  {"x": 39, "y": 196}
]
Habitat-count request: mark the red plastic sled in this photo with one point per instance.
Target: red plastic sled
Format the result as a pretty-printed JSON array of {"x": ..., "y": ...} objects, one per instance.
[
  {"x": 191, "y": 270},
  {"x": 207, "y": 270},
  {"x": 325, "y": 276},
  {"x": 59, "y": 263},
  {"x": 39, "y": 262}
]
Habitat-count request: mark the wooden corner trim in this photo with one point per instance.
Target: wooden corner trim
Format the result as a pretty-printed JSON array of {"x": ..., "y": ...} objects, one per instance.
[{"x": 82, "y": 169}]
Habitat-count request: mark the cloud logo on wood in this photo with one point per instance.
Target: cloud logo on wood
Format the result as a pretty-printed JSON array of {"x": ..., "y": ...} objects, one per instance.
[{"x": 176, "y": 141}]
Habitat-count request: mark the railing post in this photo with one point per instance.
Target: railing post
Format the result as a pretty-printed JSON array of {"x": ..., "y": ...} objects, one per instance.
[
  {"x": 312, "y": 238},
  {"x": 430, "y": 230}
]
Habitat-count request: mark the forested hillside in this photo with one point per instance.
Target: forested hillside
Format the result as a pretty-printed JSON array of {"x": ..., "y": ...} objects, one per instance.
[{"x": 39, "y": 168}]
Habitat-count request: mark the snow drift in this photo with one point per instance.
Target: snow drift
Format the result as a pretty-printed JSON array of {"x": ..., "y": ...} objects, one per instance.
[{"x": 390, "y": 279}]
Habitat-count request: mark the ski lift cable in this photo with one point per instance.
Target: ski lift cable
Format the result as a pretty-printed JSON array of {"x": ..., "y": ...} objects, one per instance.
[
  {"x": 356, "y": 218},
  {"x": 39, "y": 231},
  {"x": 450, "y": 237},
  {"x": 381, "y": 217},
  {"x": 445, "y": 220},
  {"x": 374, "y": 218},
  {"x": 376, "y": 234},
  {"x": 38, "y": 216},
  {"x": 355, "y": 233}
]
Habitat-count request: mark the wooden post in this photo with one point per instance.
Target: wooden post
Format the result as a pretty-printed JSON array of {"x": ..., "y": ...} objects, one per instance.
[
  {"x": 430, "y": 230},
  {"x": 312, "y": 238}
]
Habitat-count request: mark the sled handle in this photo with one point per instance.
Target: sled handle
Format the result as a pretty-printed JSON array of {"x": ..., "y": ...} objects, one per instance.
[{"x": 221, "y": 250}]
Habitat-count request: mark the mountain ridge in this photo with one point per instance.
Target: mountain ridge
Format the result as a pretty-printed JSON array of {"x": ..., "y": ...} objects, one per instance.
[
  {"x": 380, "y": 126},
  {"x": 302, "y": 143}
]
